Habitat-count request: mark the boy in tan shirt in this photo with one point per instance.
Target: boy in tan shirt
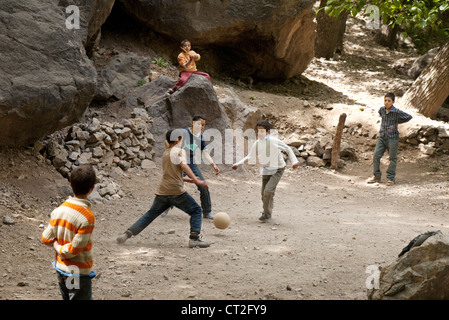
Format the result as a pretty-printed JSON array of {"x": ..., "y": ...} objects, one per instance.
[{"x": 171, "y": 192}]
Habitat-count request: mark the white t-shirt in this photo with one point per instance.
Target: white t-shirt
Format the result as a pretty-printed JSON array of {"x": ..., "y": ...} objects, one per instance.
[{"x": 268, "y": 153}]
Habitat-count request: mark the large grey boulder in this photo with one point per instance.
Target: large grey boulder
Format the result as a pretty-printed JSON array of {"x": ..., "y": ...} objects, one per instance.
[
  {"x": 240, "y": 115},
  {"x": 421, "y": 63},
  {"x": 197, "y": 96},
  {"x": 147, "y": 94},
  {"x": 46, "y": 79},
  {"x": 259, "y": 38},
  {"x": 420, "y": 274},
  {"x": 176, "y": 111},
  {"x": 93, "y": 13},
  {"x": 122, "y": 73}
]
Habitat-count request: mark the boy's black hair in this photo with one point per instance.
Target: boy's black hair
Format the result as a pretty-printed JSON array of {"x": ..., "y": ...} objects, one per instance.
[
  {"x": 390, "y": 95},
  {"x": 265, "y": 124},
  {"x": 171, "y": 134},
  {"x": 184, "y": 41},
  {"x": 82, "y": 179},
  {"x": 199, "y": 116}
]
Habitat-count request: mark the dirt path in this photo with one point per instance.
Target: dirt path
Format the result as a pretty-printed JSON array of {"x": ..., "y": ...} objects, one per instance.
[{"x": 327, "y": 228}]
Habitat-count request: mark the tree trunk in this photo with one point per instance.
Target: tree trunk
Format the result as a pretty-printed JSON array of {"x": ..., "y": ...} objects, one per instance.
[
  {"x": 329, "y": 33},
  {"x": 429, "y": 91},
  {"x": 387, "y": 36}
]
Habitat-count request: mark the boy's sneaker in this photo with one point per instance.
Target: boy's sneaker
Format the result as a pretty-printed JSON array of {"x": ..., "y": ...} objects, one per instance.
[
  {"x": 208, "y": 216},
  {"x": 390, "y": 182},
  {"x": 264, "y": 218},
  {"x": 123, "y": 237},
  {"x": 373, "y": 179},
  {"x": 196, "y": 242},
  {"x": 169, "y": 92}
]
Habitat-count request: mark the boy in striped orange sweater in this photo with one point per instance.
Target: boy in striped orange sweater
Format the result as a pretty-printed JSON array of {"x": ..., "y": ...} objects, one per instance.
[{"x": 70, "y": 234}]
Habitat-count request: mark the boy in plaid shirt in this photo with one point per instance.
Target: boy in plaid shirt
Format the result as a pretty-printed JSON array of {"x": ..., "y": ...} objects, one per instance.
[{"x": 388, "y": 139}]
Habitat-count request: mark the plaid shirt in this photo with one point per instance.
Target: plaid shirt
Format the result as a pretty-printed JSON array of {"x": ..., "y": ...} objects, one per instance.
[{"x": 390, "y": 121}]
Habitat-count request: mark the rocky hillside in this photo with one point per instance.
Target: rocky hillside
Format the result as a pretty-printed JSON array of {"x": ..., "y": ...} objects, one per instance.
[
  {"x": 48, "y": 81},
  {"x": 127, "y": 112}
]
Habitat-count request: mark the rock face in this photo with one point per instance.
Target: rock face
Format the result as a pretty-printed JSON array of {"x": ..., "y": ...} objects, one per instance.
[
  {"x": 46, "y": 79},
  {"x": 93, "y": 13},
  {"x": 421, "y": 63},
  {"x": 240, "y": 115},
  {"x": 260, "y": 38},
  {"x": 420, "y": 274},
  {"x": 123, "y": 73},
  {"x": 197, "y": 96}
]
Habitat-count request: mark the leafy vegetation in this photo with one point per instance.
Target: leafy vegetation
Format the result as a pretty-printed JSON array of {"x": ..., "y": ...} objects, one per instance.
[
  {"x": 159, "y": 61},
  {"x": 425, "y": 21}
]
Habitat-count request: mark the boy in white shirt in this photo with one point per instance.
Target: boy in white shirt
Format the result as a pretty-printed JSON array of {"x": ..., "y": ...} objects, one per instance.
[{"x": 267, "y": 150}]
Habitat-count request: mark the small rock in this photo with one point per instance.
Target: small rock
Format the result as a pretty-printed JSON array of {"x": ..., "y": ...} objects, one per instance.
[{"x": 8, "y": 220}]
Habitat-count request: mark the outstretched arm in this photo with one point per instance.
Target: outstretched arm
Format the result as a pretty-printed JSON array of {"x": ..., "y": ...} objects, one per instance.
[
  {"x": 251, "y": 156},
  {"x": 185, "y": 167},
  {"x": 209, "y": 159}
]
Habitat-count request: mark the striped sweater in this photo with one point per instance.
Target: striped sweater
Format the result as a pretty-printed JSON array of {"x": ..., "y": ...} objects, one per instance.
[{"x": 71, "y": 224}]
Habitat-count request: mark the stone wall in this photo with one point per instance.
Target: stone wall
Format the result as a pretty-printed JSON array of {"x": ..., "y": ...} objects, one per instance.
[
  {"x": 105, "y": 145},
  {"x": 431, "y": 140}
]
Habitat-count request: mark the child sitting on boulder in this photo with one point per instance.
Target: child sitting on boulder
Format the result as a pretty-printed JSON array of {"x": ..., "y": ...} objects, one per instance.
[{"x": 187, "y": 65}]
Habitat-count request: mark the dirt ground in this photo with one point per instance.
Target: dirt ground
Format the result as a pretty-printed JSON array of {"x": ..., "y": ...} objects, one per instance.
[{"x": 327, "y": 227}]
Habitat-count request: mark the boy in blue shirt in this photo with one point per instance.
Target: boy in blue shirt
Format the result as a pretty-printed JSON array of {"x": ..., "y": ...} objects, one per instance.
[{"x": 388, "y": 139}]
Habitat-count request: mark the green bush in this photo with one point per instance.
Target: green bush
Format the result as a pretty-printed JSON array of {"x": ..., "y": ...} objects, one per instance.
[{"x": 159, "y": 61}]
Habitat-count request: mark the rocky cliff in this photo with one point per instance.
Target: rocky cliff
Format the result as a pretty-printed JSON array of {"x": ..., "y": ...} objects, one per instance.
[{"x": 47, "y": 80}]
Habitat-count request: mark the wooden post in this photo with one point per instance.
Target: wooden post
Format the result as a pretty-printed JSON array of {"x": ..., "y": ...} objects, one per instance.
[{"x": 337, "y": 141}]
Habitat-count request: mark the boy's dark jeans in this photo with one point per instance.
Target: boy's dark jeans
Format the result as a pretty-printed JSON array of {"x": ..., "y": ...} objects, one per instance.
[
  {"x": 206, "y": 203},
  {"x": 383, "y": 144},
  {"x": 161, "y": 203},
  {"x": 75, "y": 287}
]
